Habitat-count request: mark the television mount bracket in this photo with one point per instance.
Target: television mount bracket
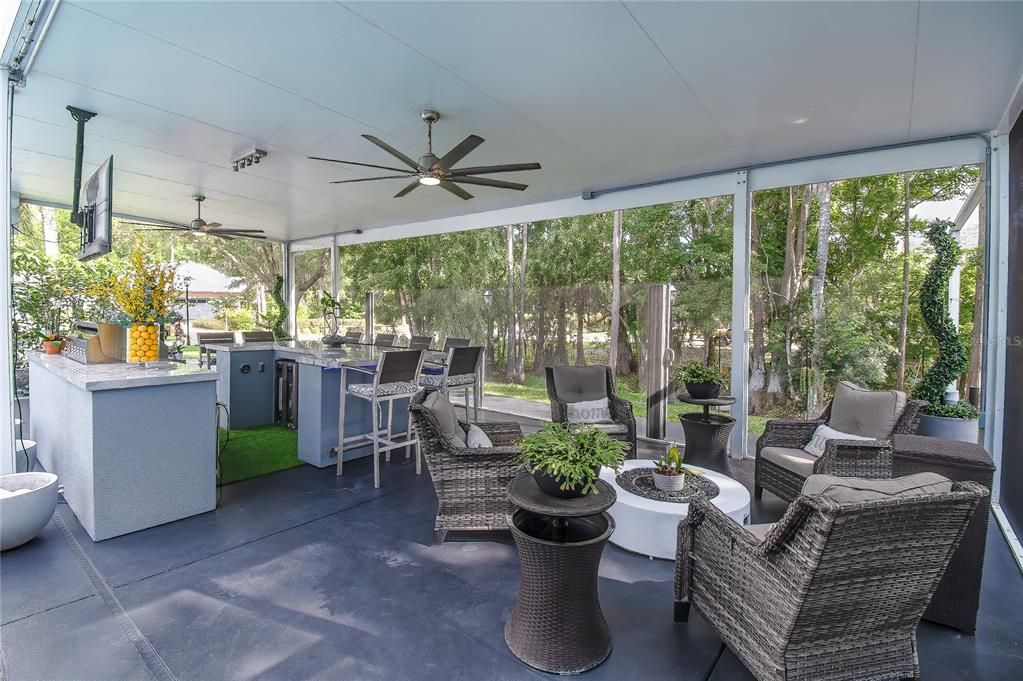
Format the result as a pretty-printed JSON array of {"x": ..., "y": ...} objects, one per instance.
[{"x": 81, "y": 117}]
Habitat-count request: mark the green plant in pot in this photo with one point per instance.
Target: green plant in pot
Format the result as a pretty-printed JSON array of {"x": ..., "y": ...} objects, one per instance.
[
  {"x": 52, "y": 342},
  {"x": 702, "y": 382},
  {"x": 940, "y": 419},
  {"x": 565, "y": 461}
]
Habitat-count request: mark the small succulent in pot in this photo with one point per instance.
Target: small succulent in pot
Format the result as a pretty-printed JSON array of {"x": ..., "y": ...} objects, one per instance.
[
  {"x": 702, "y": 382},
  {"x": 52, "y": 342},
  {"x": 565, "y": 461},
  {"x": 669, "y": 473}
]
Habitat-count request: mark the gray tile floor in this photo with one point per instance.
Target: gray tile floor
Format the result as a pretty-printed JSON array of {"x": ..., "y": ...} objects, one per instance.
[{"x": 301, "y": 575}]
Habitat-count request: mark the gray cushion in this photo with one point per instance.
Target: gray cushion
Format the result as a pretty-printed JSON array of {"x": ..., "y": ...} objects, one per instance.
[
  {"x": 858, "y": 490},
  {"x": 870, "y": 413},
  {"x": 437, "y": 403},
  {"x": 609, "y": 428},
  {"x": 580, "y": 384},
  {"x": 795, "y": 460}
]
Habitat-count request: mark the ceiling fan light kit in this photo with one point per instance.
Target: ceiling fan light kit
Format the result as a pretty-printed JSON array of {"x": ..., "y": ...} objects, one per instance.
[{"x": 431, "y": 171}]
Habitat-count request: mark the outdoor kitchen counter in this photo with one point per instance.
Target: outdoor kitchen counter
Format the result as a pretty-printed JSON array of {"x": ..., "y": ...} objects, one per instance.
[
  {"x": 133, "y": 447},
  {"x": 119, "y": 374},
  {"x": 246, "y": 385}
]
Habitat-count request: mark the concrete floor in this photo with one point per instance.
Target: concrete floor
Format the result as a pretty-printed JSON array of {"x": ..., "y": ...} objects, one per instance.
[{"x": 300, "y": 575}]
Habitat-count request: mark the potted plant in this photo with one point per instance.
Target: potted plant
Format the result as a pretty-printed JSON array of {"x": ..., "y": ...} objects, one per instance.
[
  {"x": 52, "y": 342},
  {"x": 702, "y": 382},
  {"x": 669, "y": 474},
  {"x": 943, "y": 417},
  {"x": 566, "y": 462}
]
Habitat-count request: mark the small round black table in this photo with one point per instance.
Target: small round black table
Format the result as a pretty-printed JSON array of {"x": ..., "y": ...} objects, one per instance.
[
  {"x": 557, "y": 625},
  {"x": 706, "y": 433}
]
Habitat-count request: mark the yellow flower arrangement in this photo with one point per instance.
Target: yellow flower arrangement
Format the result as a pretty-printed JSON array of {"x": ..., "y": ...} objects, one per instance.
[{"x": 146, "y": 295}]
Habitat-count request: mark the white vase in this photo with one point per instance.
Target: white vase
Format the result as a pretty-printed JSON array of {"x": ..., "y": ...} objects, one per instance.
[{"x": 669, "y": 483}]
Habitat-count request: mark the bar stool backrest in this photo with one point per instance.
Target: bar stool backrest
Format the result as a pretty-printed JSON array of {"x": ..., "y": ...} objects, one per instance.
[
  {"x": 400, "y": 366},
  {"x": 385, "y": 340},
  {"x": 463, "y": 361},
  {"x": 216, "y": 338},
  {"x": 354, "y": 336},
  {"x": 455, "y": 343},
  {"x": 257, "y": 336},
  {"x": 420, "y": 342}
]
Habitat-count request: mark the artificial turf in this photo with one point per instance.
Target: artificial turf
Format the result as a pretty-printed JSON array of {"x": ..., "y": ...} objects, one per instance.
[{"x": 251, "y": 452}]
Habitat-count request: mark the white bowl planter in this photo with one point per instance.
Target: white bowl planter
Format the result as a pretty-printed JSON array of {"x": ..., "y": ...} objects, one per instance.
[
  {"x": 964, "y": 430},
  {"x": 24, "y": 515},
  {"x": 669, "y": 483}
]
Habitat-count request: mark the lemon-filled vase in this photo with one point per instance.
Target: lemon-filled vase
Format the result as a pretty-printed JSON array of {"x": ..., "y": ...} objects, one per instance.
[{"x": 143, "y": 343}]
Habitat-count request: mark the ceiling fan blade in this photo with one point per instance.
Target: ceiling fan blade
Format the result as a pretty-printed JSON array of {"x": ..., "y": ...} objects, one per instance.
[
  {"x": 393, "y": 152},
  {"x": 160, "y": 229},
  {"x": 239, "y": 231},
  {"x": 456, "y": 190},
  {"x": 211, "y": 225},
  {"x": 406, "y": 190},
  {"x": 460, "y": 151},
  {"x": 367, "y": 179},
  {"x": 153, "y": 224},
  {"x": 353, "y": 163},
  {"x": 486, "y": 170},
  {"x": 486, "y": 182}
]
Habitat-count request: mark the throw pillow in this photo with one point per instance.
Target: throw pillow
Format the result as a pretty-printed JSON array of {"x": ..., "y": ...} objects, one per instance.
[
  {"x": 819, "y": 442},
  {"x": 592, "y": 411},
  {"x": 477, "y": 439},
  {"x": 450, "y": 429}
]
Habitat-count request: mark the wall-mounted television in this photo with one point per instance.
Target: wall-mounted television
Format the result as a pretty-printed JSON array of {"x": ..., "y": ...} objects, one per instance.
[{"x": 96, "y": 212}]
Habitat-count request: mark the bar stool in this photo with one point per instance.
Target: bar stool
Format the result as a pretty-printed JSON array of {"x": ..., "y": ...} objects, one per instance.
[
  {"x": 462, "y": 370},
  {"x": 394, "y": 378},
  {"x": 450, "y": 342},
  {"x": 420, "y": 342},
  {"x": 354, "y": 336},
  {"x": 385, "y": 340}
]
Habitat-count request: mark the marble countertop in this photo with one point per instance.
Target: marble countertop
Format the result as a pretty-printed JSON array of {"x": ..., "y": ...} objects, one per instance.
[
  {"x": 119, "y": 375},
  {"x": 318, "y": 354}
]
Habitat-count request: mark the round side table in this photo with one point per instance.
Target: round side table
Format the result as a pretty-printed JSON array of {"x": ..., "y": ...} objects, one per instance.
[
  {"x": 556, "y": 625},
  {"x": 708, "y": 433}
]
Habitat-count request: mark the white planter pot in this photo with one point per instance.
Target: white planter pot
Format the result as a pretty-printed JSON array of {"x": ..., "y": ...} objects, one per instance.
[
  {"x": 26, "y": 514},
  {"x": 669, "y": 483},
  {"x": 964, "y": 430}
]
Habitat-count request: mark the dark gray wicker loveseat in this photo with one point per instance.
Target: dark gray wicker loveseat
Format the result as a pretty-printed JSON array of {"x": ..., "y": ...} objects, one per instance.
[
  {"x": 782, "y": 466},
  {"x": 834, "y": 590},
  {"x": 471, "y": 484},
  {"x": 582, "y": 384}
]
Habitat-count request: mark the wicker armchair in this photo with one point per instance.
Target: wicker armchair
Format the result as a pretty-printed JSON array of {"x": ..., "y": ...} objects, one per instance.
[
  {"x": 471, "y": 484},
  {"x": 832, "y": 591},
  {"x": 784, "y": 467},
  {"x": 579, "y": 384}
]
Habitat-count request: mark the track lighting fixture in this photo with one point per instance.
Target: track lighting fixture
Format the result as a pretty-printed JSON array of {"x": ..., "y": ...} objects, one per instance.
[{"x": 246, "y": 160}]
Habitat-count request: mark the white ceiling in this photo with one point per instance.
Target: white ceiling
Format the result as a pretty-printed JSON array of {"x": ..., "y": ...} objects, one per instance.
[{"x": 600, "y": 93}]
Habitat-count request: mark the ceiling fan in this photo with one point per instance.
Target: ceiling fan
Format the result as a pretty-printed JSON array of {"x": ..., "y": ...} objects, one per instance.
[
  {"x": 199, "y": 226},
  {"x": 432, "y": 171}
]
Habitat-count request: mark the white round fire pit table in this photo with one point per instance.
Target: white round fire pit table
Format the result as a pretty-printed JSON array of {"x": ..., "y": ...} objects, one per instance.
[{"x": 650, "y": 526}]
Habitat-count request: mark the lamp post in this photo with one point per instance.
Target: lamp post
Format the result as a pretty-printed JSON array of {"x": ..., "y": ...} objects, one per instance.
[
  {"x": 488, "y": 300},
  {"x": 188, "y": 324}
]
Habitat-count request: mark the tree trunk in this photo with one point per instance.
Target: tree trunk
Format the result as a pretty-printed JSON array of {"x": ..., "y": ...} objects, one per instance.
[
  {"x": 616, "y": 289},
  {"x": 973, "y": 375},
  {"x": 520, "y": 364},
  {"x": 48, "y": 216},
  {"x": 791, "y": 284},
  {"x": 512, "y": 341},
  {"x": 561, "y": 347},
  {"x": 816, "y": 396},
  {"x": 900, "y": 377},
  {"x": 580, "y": 320}
]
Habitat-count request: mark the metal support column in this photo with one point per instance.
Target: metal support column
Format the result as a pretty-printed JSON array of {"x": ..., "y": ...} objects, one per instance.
[
  {"x": 741, "y": 206},
  {"x": 7, "y": 463},
  {"x": 335, "y": 284},
  {"x": 370, "y": 319},
  {"x": 290, "y": 299},
  {"x": 659, "y": 359}
]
